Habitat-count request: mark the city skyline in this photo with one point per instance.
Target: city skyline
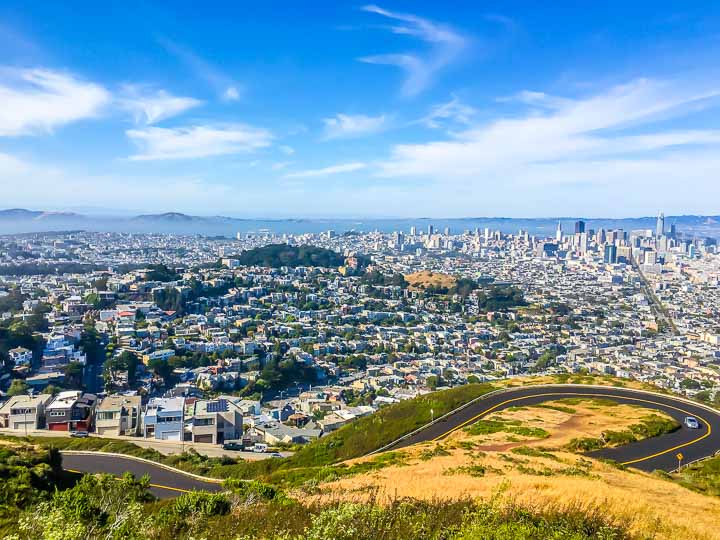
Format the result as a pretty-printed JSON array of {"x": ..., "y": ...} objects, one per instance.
[{"x": 361, "y": 110}]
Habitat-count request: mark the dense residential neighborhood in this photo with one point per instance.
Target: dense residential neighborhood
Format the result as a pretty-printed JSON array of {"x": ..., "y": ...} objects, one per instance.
[{"x": 277, "y": 340}]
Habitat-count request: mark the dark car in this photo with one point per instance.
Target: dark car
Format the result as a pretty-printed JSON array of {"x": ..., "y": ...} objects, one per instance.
[{"x": 233, "y": 445}]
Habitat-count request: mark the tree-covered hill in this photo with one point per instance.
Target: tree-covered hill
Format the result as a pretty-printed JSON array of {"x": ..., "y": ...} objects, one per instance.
[{"x": 277, "y": 255}]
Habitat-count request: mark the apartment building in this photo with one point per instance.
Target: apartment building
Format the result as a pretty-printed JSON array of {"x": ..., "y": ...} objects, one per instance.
[
  {"x": 71, "y": 411},
  {"x": 164, "y": 419},
  {"x": 214, "y": 421},
  {"x": 119, "y": 415},
  {"x": 24, "y": 412}
]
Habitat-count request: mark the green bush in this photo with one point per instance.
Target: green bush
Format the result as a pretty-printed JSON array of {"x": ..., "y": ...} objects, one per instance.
[
  {"x": 201, "y": 503},
  {"x": 703, "y": 477},
  {"x": 486, "y": 427}
]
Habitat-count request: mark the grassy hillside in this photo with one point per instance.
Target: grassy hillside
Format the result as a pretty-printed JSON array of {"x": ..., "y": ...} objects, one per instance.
[
  {"x": 427, "y": 279},
  {"x": 525, "y": 456},
  {"x": 512, "y": 476},
  {"x": 36, "y": 505},
  {"x": 703, "y": 477},
  {"x": 316, "y": 461}
]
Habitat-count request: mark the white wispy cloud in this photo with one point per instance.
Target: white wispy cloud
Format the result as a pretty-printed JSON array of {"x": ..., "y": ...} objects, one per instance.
[
  {"x": 573, "y": 142},
  {"x": 148, "y": 105},
  {"x": 287, "y": 150},
  {"x": 453, "y": 111},
  {"x": 39, "y": 100},
  {"x": 232, "y": 93},
  {"x": 224, "y": 85},
  {"x": 444, "y": 46},
  {"x": 157, "y": 143},
  {"x": 280, "y": 165},
  {"x": 328, "y": 171},
  {"x": 538, "y": 99},
  {"x": 352, "y": 125}
]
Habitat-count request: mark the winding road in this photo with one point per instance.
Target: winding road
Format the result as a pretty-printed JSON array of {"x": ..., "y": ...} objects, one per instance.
[
  {"x": 164, "y": 482},
  {"x": 647, "y": 455}
]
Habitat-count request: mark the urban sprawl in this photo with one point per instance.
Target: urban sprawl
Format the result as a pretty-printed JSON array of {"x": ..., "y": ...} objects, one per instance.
[{"x": 269, "y": 340}]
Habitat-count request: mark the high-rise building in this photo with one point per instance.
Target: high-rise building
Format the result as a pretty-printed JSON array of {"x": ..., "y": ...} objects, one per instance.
[
  {"x": 431, "y": 230},
  {"x": 579, "y": 227},
  {"x": 447, "y": 231},
  {"x": 600, "y": 236},
  {"x": 583, "y": 243},
  {"x": 610, "y": 255},
  {"x": 413, "y": 231},
  {"x": 558, "y": 233},
  {"x": 660, "y": 225}
]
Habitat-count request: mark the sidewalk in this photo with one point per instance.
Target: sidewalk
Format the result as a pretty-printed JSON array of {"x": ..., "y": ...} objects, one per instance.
[{"x": 164, "y": 447}]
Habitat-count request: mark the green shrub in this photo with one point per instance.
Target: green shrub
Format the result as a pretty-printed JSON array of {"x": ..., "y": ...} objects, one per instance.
[
  {"x": 533, "y": 452},
  {"x": 486, "y": 427},
  {"x": 201, "y": 503},
  {"x": 585, "y": 444}
]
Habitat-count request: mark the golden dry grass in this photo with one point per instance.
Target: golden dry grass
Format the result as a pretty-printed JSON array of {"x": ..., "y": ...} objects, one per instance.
[
  {"x": 651, "y": 505},
  {"x": 425, "y": 278},
  {"x": 535, "y": 380}
]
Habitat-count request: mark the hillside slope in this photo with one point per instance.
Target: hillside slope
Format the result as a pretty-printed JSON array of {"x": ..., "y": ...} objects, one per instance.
[{"x": 528, "y": 456}]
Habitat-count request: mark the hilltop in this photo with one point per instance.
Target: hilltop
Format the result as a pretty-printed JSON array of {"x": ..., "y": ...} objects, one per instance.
[
  {"x": 529, "y": 456},
  {"x": 426, "y": 279},
  {"x": 277, "y": 255}
]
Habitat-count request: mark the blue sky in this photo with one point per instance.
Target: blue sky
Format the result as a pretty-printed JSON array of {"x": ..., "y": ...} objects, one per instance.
[{"x": 338, "y": 109}]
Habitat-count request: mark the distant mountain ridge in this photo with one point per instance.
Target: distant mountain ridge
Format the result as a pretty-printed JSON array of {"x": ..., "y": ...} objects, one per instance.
[{"x": 21, "y": 220}]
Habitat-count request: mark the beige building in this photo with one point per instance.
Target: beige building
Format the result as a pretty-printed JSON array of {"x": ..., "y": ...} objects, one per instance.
[
  {"x": 118, "y": 415},
  {"x": 24, "y": 412}
]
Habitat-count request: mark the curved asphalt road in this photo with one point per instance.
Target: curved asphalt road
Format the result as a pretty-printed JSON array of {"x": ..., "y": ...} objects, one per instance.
[
  {"x": 164, "y": 483},
  {"x": 647, "y": 455}
]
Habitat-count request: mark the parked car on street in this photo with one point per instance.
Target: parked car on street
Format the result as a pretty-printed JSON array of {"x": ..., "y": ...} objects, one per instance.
[{"x": 233, "y": 445}]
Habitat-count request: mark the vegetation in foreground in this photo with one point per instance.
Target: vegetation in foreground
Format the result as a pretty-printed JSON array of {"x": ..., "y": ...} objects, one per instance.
[{"x": 36, "y": 506}]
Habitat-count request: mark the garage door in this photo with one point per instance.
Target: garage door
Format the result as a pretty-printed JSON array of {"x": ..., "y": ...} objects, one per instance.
[
  {"x": 171, "y": 436},
  {"x": 204, "y": 438}
]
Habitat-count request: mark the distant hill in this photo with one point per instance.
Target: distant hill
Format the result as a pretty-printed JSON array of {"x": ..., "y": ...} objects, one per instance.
[
  {"x": 168, "y": 216},
  {"x": 20, "y": 220},
  {"x": 23, "y": 214},
  {"x": 277, "y": 255}
]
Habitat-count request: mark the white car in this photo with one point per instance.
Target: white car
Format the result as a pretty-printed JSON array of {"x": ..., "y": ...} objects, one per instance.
[{"x": 691, "y": 422}]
